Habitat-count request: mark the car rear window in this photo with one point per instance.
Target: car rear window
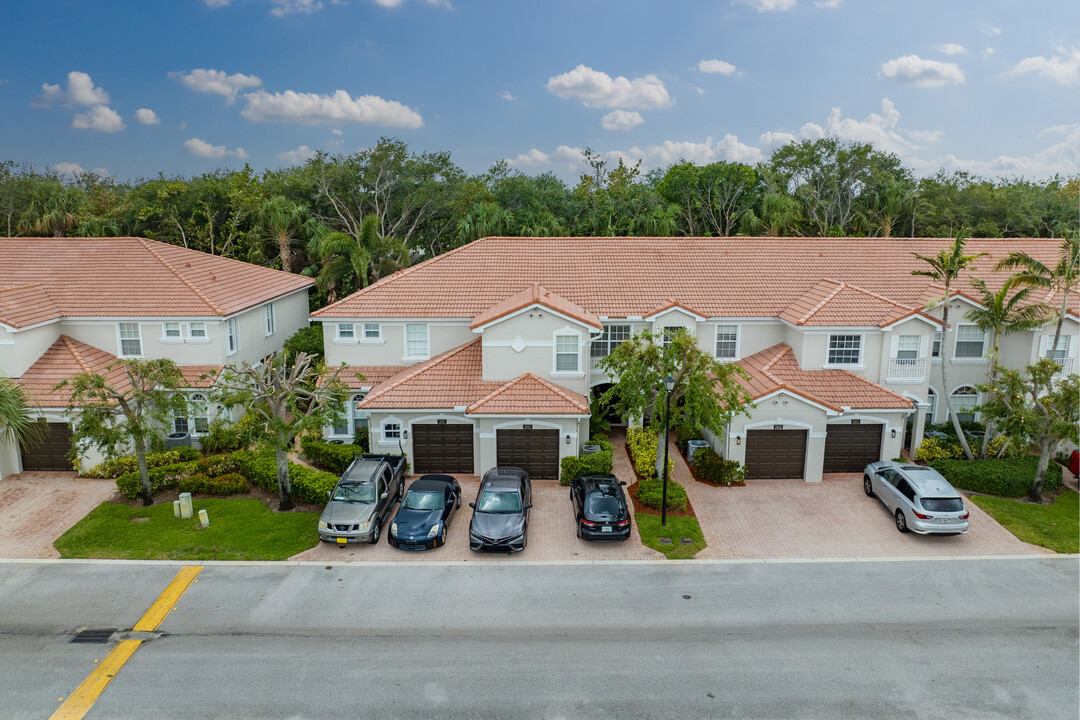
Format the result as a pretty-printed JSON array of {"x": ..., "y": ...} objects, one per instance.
[
  {"x": 601, "y": 505},
  {"x": 943, "y": 504}
]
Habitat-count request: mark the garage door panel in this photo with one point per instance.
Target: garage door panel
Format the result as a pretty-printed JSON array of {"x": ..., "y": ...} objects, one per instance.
[
  {"x": 775, "y": 453},
  {"x": 534, "y": 451},
  {"x": 850, "y": 448},
  {"x": 51, "y": 453},
  {"x": 443, "y": 448}
]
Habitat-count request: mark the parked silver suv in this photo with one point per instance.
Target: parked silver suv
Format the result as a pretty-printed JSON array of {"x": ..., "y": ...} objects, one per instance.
[
  {"x": 361, "y": 501},
  {"x": 920, "y": 499}
]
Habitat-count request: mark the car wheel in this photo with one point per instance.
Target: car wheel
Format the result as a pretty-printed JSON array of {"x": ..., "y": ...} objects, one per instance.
[
  {"x": 401, "y": 490},
  {"x": 375, "y": 532},
  {"x": 867, "y": 486},
  {"x": 579, "y": 529},
  {"x": 442, "y": 535},
  {"x": 524, "y": 539},
  {"x": 901, "y": 521}
]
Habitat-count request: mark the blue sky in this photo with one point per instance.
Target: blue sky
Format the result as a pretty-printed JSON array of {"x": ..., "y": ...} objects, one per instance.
[{"x": 185, "y": 86}]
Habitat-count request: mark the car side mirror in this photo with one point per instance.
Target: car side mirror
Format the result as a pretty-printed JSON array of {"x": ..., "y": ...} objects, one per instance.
[
  {"x": 472, "y": 505},
  {"x": 329, "y": 494},
  {"x": 384, "y": 496},
  {"x": 528, "y": 505},
  {"x": 623, "y": 483}
]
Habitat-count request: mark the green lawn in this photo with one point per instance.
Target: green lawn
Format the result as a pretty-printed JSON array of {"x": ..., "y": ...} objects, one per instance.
[
  {"x": 677, "y": 527},
  {"x": 240, "y": 529},
  {"x": 1055, "y": 526}
]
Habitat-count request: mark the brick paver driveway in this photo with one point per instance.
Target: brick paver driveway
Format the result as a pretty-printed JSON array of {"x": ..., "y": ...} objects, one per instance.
[
  {"x": 38, "y": 507},
  {"x": 552, "y": 536}
]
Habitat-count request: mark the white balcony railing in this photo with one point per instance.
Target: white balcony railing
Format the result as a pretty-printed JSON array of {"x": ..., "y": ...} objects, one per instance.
[
  {"x": 906, "y": 370},
  {"x": 1066, "y": 365}
]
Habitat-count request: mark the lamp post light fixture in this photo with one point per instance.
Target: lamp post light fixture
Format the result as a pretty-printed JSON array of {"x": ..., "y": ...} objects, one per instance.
[{"x": 669, "y": 385}]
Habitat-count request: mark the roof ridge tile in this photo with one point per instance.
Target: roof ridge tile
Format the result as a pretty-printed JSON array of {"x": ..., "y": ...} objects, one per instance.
[
  {"x": 69, "y": 343},
  {"x": 168, "y": 266}
]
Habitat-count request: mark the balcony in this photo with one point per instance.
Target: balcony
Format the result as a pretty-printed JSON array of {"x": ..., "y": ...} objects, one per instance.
[
  {"x": 1066, "y": 364},
  {"x": 906, "y": 370}
]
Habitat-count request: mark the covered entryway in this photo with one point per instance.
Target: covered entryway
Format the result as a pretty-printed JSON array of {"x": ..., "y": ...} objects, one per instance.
[
  {"x": 535, "y": 451},
  {"x": 51, "y": 452},
  {"x": 775, "y": 453},
  {"x": 443, "y": 448},
  {"x": 850, "y": 448}
]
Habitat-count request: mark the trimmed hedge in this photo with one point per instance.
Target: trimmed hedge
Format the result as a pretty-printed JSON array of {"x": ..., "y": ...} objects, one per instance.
[
  {"x": 650, "y": 491},
  {"x": 595, "y": 464},
  {"x": 932, "y": 450},
  {"x": 684, "y": 433},
  {"x": 116, "y": 467},
  {"x": 335, "y": 458},
  {"x": 642, "y": 445},
  {"x": 1007, "y": 477},
  {"x": 710, "y": 467},
  {"x": 161, "y": 478},
  {"x": 231, "y": 484},
  {"x": 230, "y": 437}
]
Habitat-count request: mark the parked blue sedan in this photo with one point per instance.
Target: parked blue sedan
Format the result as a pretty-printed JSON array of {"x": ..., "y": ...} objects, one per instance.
[{"x": 425, "y": 513}]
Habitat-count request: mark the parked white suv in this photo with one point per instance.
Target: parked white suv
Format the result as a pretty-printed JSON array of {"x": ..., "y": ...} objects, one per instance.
[{"x": 920, "y": 499}]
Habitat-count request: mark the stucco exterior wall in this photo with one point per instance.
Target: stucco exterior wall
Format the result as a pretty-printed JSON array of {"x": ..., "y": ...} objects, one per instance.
[
  {"x": 19, "y": 350},
  {"x": 526, "y": 343},
  {"x": 390, "y": 349},
  {"x": 9, "y": 457}
]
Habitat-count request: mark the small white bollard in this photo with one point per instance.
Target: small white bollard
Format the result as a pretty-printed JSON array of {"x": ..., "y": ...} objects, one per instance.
[
  {"x": 176, "y": 508},
  {"x": 185, "y": 505},
  {"x": 204, "y": 519}
]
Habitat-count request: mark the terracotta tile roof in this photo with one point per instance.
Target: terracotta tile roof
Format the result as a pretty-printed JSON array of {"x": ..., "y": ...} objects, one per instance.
[
  {"x": 671, "y": 303},
  {"x": 536, "y": 294},
  {"x": 831, "y": 302},
  {"x": 25, "y": 305},
  {"x": 67, "y": 358},
  {"x": 374, "y": 375},
  {"x": 531, "y": 395},
  {"x": 621, "y": 277},
  {"x": 453, "y": 380},
  {"x": 135, "y": 277},
  {"x": 776, "y": 368}
]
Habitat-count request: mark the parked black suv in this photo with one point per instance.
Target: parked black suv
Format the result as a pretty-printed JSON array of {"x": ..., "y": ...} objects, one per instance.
[
  {"x": 500, "y": 521},
  {"x": 600, "y": 510}
]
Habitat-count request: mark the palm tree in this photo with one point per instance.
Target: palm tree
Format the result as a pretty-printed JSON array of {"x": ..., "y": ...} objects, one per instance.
[
  {"x": 778, "y": 216},
  {"x": 1003, "y": 314},
  {"x": 1060, "y": 279},
  {"x": 16, "y": 424},
  {"x": 345, "y": 263},
  {"x": 945, "y": 267},
  {"x": 279, "y": 221}
]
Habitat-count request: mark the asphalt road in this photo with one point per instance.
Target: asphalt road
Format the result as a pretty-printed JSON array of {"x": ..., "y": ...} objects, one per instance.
[{"x": 913, "y": 639}]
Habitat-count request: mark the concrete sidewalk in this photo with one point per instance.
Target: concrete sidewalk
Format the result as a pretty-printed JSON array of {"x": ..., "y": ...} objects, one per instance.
[{"x": 38, "y": 507}]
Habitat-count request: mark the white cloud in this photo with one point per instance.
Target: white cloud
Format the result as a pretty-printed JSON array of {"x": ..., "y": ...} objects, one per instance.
[
  {"x": 395, "y": 3},
  {"x": 952, "y": 49},
  {"x": 716, "y": 66},
  {"x": 310, "y": 109},
  {"x": 770, "y": 5},
  {"x": 338, "y": 132},
  {"x": 69, "y": 168},
  {"x": 100, "y": 118},
  {"x": 775, "y": 139},
  {"x": 828, "y": 4},
  {"x": 988, "y": 53},
  {"x": 216, "y": 3},
  {"x": 505, "y": 95},
  {"x": 598, "y": 89},
  {"x": 533, "y": 157},
  {"x": 882, "y": 131},
  {"x": 80, "y": 90},
  {"x": 700, "y": 91},
  {"x": 622, "y": 120},
  {"x": 925, "y": 137},
  {"x": 146, "y": 116},
  {"x": 203, "y": 149},
  {"x": 1062, "y": 157},
  {"x": 727, "y": 148},
  {"x": 913, "y": 70},
  {"x": 1059, "y": 129},
  {"x": 288, "y": 7},
  {"x": 299, "y": 156},
  {"x": 217, "y": 82},
  {"x": 812, "y": 131},
  {"x": 989, "y": 29},
  {"x": 1063, "y": 67}
]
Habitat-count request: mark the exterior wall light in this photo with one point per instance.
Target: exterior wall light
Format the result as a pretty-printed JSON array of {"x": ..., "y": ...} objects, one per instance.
[
  {"x": 738, "y": 439},
  {"x": 568, "y": 439},
  {"x": 894, "y": 432}
]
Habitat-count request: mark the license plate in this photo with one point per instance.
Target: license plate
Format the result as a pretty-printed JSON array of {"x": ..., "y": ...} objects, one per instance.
[
  {"x": 606, "y": 528},
  {"x": 945, "y": 520},
  {"x": 342, "y": 541}
]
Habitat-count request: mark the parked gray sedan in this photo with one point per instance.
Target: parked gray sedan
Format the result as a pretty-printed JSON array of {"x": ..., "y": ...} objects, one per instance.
[{"x": 920, "y": 499}]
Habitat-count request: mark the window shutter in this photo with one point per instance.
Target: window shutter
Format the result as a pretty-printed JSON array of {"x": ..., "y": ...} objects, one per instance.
[
  {"x": 1071, "y": 352},
  {"x": 1044, "y": 344},
  {"x": 924, "y": 344},
  {"x": 894, "y": 346}
]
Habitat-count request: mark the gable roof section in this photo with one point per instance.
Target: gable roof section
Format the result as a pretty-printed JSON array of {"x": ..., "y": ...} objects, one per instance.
[
  {"x": 834, "y": 303},
  {"x": 25, "y": 305},
  {"x": 374, "y": 375},
  {"x": 135, "y": 277},
  {"x": 776, "y": 368},
  {"x": 672, "y": 304},
  {"x": 530, "y": 395},
  {"x": 634, "y": 276},
  {"x": 535, "y": 294}
]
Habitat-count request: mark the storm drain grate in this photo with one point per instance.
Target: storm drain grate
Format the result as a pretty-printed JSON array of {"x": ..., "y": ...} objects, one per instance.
[
  {"x": 95, "y": 637},
  {"x": 686, "y": 541},
  {"x": 664, "y": 541}
]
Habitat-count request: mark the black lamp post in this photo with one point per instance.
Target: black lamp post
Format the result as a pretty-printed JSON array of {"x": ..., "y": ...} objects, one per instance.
[{"x": 669, "y": 385}]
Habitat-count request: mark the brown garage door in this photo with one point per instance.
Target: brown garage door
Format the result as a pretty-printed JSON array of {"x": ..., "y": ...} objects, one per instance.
[
  {"x": 775, "y": 453},
  {"x": 51, "y": 453},
  {"x": 443, "y": 448},
  {"x": 534, "y": 451},
  {"x": 850, "y": 448}
]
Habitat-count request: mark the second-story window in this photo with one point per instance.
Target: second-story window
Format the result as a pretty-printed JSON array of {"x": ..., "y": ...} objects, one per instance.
[
  {"x": 271, "y": 325},
  {"x": 671, "y": 332},
  {"x": 845, "y": 349},
  {"x": 727, "y": 342},
  {"x": 130, "y": 339},
  {"x": 232, "y": 336},
  {"x": 172, "y": 330},
  {"x": 907, "y": 349},
  {"x": 372, "y": 331},
  {"x": 197, "y": 330},
  {"x": 566, "y": 353},
  {"x": 613, "y": 337},
  {"x": 346, "y": 331},
  {"x": 970, "y": 341},
  {"x": 936, "y": 349},
  {"x": 416, "y": 341}
]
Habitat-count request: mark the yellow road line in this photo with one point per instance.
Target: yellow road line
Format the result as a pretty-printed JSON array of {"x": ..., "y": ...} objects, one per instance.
[
  {"x": 84, "y": 697},
  {"x": 161, "y": 607}
]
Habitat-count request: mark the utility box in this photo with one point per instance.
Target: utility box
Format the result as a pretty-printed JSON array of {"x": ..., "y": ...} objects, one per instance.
[
  {"x": 589, "y": 450},
  {"x": 693, "y": 446},
  {"x": 178, "y": 439}
]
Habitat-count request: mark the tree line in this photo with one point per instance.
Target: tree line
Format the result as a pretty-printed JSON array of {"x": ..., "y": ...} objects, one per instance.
[{"x": 347, "y": 220}]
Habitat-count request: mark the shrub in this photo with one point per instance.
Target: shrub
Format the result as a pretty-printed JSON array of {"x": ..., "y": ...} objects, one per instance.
[
  {"x": 602, "y": 440},
  {"x": 335, "y": 458},
  {"x": 308, "y": 485},
  {"x": 1008, "y": 477},
  {"x": 200, "y": 484},
  {"x": 194, "y": 484},
  {"x": 116, "y": 467},
  {"x": 229, "y": 437},
  {"x": 362, "y": 438},
  {"x": 650, "y": 492},
  {"x": 595, "y": 464},
  {"x": 308, "y": 340},
  {"x": 684, "y": 433},
  {"x": 933, "y": 449},
  {"x": 642, "y": 445},
  {"x": 161, "y": 478},
  {"x": 217, "y": 465},
  {"x": 715, "y": 469}
]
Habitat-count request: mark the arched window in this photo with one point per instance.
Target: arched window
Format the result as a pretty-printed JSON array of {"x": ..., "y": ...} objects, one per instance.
[
  {"x": 352, "y": 418},
  {"x": 964, "y": 400},
  {"x": 197, "y": 420},
  {"x": 931, "y": 399}
]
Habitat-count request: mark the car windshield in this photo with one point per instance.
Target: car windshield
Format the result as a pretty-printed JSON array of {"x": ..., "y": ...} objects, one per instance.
[
  {"x": 601, "y": 505},
  {"x": 499, "y": 502},
  {"x": 943, "y": 504},
  {"x": 355, "y": 492},
  {"x": 420, "y": 500}
]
